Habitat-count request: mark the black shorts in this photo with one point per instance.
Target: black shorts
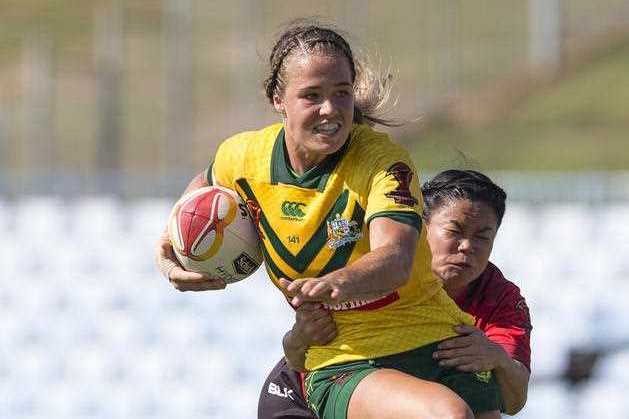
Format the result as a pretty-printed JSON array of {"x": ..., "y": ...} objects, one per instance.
[{"x": 282, "y": 395}]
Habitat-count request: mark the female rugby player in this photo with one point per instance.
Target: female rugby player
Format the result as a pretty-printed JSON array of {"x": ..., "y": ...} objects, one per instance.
[{"x": 356, "y": 245}]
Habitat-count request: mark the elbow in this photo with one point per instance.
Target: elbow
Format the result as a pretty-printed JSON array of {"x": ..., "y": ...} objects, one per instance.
[{"x": 406, "y": 269}]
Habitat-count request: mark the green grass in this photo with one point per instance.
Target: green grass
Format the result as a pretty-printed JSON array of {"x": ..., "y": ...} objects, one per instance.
[{"x": 579, "y": 123}]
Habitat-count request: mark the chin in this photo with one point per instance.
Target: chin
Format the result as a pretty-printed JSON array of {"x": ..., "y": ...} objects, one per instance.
[
  {"x": 454, "y": 278},
  {"x": 329, "y": 146}
]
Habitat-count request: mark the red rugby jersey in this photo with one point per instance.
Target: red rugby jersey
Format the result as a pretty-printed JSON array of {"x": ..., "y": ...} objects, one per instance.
[{"x": 501, "y": 312}]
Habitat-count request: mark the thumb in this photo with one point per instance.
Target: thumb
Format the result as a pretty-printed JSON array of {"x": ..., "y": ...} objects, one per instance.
[{"x": 284, "y": 283}]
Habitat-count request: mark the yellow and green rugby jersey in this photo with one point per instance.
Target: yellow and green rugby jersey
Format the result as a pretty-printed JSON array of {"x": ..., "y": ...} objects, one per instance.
[{"x": 319, "y": 222}]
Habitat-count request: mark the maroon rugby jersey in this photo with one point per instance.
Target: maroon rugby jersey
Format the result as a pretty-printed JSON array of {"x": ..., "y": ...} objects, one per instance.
[{"x": 501, "y": 312}]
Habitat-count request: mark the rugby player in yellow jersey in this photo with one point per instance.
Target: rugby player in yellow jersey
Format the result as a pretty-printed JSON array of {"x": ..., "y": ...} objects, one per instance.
[{"x": 338, "y": 206}]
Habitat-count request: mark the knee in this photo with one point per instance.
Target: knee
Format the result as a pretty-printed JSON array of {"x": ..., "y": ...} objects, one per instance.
[{"x": 453, "y": 409}]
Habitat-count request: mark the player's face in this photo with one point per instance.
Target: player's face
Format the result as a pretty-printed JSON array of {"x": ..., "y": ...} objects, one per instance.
[
  {"x": 461, "y": 235},
  {"x": 318, "y": 106}
]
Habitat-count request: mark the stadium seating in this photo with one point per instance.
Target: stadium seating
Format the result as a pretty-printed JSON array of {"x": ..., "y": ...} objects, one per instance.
[{"x": 91, "y": 330}]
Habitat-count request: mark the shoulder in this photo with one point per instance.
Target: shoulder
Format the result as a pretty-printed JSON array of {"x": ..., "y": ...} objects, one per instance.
[
  {"x": 367, "y": 141},
  {"x": 494, "y": 280},
  {"x": 506, "y": 295},
  {"x": 243, "y": 155},
  {"x": 249, "y": 141},
  {"x": 237, "y": 150},
  {"x": 374, "y": 152}
]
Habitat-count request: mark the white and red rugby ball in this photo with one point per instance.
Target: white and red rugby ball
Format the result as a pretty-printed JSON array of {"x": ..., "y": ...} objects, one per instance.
[{"x": 212, "y": 231}]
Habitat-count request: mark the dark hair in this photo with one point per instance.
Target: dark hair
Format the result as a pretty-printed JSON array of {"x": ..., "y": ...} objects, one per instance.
[
  {"x": 306, "y": 36},
  {"x": 462, "y": 184}
]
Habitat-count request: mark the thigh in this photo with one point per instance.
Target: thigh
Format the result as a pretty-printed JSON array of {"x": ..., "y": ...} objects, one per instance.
[
  {"x": 479, "y": 390},
  {"x": 388, "y": 393},
  {"x": 329, "y": 389}
]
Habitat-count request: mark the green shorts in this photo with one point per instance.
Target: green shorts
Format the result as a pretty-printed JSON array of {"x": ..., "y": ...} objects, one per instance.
[{"x": 329, "y": 389}]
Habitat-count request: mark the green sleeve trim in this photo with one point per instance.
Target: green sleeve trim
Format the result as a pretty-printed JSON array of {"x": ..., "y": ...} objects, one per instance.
[
  {"x": 209, "y": 174},
  {"x": 405, "y": 217}
]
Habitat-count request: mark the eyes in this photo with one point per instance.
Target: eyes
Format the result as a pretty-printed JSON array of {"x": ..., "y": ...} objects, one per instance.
[
  {"x": 316, "y": 97},
  {"x": 456, "y": 233}
]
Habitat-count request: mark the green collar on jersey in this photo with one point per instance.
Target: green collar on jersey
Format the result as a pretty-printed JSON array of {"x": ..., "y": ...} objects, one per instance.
[{"x": 314, "y": 178}]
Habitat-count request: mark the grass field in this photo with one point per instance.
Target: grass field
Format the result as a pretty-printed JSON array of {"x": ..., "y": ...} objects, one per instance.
[{"x": 578, "y": 123}]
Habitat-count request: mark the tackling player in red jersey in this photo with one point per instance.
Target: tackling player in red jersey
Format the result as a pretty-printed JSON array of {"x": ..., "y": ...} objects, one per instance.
[{"x": 463, "y": 210}]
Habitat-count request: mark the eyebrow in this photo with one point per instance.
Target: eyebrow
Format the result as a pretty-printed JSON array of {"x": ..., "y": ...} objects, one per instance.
[
  {"x": 460, "y": 226},
  {"x": 341, "y": 84}
]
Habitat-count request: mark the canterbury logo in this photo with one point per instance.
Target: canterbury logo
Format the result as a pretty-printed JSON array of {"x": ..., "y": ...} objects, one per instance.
[{"x": 293, "y": 209}]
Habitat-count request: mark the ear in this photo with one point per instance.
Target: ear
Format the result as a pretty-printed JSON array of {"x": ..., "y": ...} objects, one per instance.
[{"x": 278, "y": 104}]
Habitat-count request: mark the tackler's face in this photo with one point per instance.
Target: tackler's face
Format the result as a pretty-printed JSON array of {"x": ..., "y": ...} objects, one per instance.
[
  {"x": 317, "y": 105},
  {"x": 461, "y": 236}
]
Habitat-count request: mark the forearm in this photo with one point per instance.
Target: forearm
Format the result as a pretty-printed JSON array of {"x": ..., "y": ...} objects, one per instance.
[
  {"x": 376, "y": 274},
  {"x": 513, "y": 380},
  {"x": 294, "y": 352}
]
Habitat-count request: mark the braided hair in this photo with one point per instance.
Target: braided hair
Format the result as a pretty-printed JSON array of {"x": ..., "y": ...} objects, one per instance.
[
  {"x": 371, "y": 91},
  {"x": 453, "y": 185}
]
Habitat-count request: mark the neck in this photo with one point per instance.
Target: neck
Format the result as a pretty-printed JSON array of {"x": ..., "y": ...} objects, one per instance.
[
  {"x": 300, "y": 159},
  {"x": 302, "y": 165},
  {"x": 454, "y": 289}
]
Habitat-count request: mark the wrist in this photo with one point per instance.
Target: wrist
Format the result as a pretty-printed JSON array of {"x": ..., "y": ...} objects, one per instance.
[
  {"x": 504, "y": 360},
  {"x": 293, "y": 341},
  {"x": 294, "y": 352}
]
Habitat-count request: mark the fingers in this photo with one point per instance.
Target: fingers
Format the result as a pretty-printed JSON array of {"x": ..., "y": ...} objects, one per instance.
[
  {"x": 314, "y": 325},
  {"x": 308, "y": 289},
  {"x": 474, "y": 357},
  {"x": 326, "y": 335},
  {"x": 180, "y": 278},
  {"x": 465, "y": 363},
  {"x": 457, "y": 342},
  {"x": 202, "y": 285},
  {"x": 284, "y": 283},
  {"x": 457, "y": 360}
]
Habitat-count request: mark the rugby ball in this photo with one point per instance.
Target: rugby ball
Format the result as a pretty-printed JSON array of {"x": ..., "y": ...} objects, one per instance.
[{"x": 211, "y": 231}]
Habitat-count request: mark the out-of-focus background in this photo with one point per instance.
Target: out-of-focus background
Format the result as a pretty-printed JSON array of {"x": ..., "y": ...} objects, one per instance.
[{"x": 108, "y": 108}]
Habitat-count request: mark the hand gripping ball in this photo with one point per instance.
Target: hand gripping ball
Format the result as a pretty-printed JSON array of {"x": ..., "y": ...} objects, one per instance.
[{"x": 211, "y": 231}]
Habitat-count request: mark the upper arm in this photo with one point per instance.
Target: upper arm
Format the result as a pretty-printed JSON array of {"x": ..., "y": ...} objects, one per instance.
[
  {"x": 400, "y": 238},
  {"x": 394, "y": 192},
  {"x": 384, "y": 231}
]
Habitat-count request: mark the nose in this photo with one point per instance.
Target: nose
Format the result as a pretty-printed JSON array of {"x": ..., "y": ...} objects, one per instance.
[
  {"x": 465, "y": 246},
  {"x": 328, "y": 107}
]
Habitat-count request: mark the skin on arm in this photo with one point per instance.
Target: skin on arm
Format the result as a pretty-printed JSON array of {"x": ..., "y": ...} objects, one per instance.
[
  {"x": 313, "y": 326},
  {"x": 170, "y": 267},
  {"x": 474, "y": 352},
  {"x": 384, "y": 269}
]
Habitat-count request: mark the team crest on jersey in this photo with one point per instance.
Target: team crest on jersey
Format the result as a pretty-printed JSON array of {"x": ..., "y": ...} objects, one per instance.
[
  {"x": 342, "y": 231},
  {"x": 403, "y": 175}
]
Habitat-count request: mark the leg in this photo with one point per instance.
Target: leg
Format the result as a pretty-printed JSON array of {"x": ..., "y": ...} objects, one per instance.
[{"x": 388, "y": 393}]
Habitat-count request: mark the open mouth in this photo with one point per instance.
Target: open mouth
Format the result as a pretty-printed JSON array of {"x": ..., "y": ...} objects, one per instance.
[{"x": 328, "y": 128}]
